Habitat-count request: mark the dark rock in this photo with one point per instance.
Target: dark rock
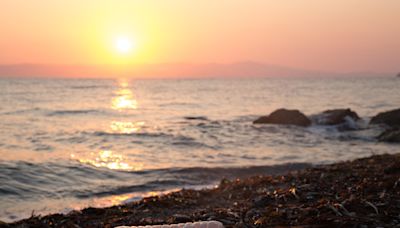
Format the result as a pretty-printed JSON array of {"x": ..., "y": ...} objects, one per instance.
[
  {"x": 390, "y": 135},
  {"x": 391, "y": 118},
  {"x": 336, "y": 116},
  {"x": 285, "y": 116}
]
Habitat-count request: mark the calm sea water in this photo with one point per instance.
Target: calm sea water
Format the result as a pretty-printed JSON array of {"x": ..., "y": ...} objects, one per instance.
[{"x": 68, "y": 144}]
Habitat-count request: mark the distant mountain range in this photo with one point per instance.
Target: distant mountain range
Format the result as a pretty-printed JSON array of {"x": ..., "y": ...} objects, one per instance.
[{"x": 173, "y": 70}]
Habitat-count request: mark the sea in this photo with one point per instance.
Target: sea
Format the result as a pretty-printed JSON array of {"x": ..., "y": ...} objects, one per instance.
[{"x": 67, "y": 144}]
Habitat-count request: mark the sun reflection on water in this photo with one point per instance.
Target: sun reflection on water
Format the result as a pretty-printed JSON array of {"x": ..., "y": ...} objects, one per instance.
[
  {"x": 110, "y": 160},
  {"x": 126, "y": 127},
  {"x": 124, "y": 99}
]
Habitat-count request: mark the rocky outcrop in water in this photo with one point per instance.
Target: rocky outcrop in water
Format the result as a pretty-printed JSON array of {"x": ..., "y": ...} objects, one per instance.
[
  {"x": 336, "y": 116},
  {"x": 344, "y": 119},
  {"x": 390, "y": 118},
  {"x": 285, "y": 116},
  {"x": 390, "y": 135}
]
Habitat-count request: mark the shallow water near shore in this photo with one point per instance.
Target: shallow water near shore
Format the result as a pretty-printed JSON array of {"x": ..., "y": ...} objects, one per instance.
[{"x": 68, "y": 144}]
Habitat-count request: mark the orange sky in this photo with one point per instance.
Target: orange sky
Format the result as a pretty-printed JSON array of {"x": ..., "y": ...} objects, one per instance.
[{"x": 340, "y": 35}]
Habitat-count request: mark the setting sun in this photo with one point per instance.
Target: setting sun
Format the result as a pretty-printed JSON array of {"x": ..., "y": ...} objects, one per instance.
[{"x": 124, "y": 45}]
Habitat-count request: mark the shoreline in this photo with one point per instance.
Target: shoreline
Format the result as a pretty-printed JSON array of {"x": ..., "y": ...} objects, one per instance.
[{"x": 365, "y": 191}]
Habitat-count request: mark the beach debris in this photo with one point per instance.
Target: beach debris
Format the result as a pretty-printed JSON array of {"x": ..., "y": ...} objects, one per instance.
[
  {"x": 373, "y": 206},
  {"x": 204, "y": 224},
  {"x": 344, "y": 210},
  {"x": 293, "y": 191},
  {"x": 334, "y": 210},
  {"x": 180, "y": 218}
]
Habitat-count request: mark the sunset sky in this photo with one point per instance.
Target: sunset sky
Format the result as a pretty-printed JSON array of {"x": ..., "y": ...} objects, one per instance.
[{"x": 342, "y": 35}]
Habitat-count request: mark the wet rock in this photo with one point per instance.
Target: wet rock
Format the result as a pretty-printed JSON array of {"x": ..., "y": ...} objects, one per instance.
[
  {"x": 285, "y": 116},
  {"x": 390, "y": 118},
  {"x": 336, "y": 116},
  {"x": 390, "y": 135}
]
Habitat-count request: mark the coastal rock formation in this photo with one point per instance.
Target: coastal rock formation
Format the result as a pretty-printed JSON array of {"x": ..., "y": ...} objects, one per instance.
[
  {"x": 390, "y": 118},
  {"x": 390, "y": 135},
  {"x": 285, "y": 116},
  {"x": 336, "y": 116}
]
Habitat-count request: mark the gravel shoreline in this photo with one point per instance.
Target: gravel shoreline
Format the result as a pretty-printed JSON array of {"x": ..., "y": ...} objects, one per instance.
[{"x": 360, "y": 193}]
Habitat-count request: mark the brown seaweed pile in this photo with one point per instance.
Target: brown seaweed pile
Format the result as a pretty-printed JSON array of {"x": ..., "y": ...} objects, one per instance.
[{"x": 361, "y": 193}]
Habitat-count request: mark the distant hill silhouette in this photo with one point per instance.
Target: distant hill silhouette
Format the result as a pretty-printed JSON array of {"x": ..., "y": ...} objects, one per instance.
[{"x": 170, "y": 70}]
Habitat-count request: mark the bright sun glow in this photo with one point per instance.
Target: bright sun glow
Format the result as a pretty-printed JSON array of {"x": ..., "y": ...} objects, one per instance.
[{"x": 124, "y": 45}]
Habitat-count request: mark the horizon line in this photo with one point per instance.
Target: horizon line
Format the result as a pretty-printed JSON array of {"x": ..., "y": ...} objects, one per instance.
[{"x": 240, "y": 69}]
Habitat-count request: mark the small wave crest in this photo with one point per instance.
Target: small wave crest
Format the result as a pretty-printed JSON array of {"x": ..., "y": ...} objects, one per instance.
[
  {"x": 88, "y": 87},
  {"x": 25, "y": 179},
  {"x": 72, "y": 179},
  {"x": 22, "y": 111},
  {"x": 169, "y": 139},
  {"x": 136, "y": 134},
  {"x": 72, "y": 112},
  {"x": 196, "y": 118}
]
